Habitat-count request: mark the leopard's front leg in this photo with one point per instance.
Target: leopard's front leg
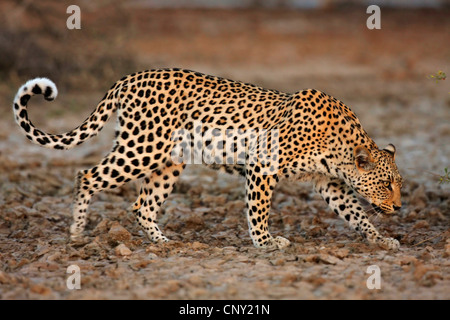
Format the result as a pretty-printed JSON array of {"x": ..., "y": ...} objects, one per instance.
[{"x": 343, "y": 201}]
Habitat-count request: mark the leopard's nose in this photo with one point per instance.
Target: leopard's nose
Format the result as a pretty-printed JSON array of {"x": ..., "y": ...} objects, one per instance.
[{"x": 397, "y": 207}]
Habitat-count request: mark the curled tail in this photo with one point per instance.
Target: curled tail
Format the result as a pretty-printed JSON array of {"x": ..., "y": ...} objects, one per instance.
[{"x": 89, "y": 128}]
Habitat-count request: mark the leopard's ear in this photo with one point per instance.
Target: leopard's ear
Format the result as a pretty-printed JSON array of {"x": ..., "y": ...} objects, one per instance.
[
  {"x": 390, "y": 149},
  {"x": 363, "y": 159}
]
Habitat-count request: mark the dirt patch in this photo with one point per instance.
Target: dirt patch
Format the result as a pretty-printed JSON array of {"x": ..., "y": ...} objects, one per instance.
[{"x": 380, "y": 75}]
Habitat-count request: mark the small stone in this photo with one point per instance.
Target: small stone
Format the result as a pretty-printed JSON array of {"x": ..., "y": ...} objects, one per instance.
[
  {"x": 322, "y": 258},
  {"x": 329, "y": 259},
  {"x": 341, "y": 253},
  {"x": 102, "y": 227},
  {"x": 40, "y": 289},
  {"x": 278, "y": 262},
  {"x": 195, "y": 280},
  {"x": 141, "y": 264},
  {"x": 422, "y": 224},
  {"x": 198, "y": 245},
  {"x": 426, "y": 275},
  {"x": 93, "y": 249},
  {"x": 118, "y": 234},
  {"x": 412, "y": 216},
  {"x": 152, "y": 256},
  {"x": 289, "y": 278},
  {"x": 421, "y": 270},
  {"x": 406, "y": 260},
  {"x": 425, "y": 256},
  {"x": 213, "y": 201},
  {"x": 122, "y": 250},
  {"x": 195, "y": 222},
  {"x": 447, "y": 250},
  {"x": 5, "y": 278},
  {"x": 316, "y": 232}
]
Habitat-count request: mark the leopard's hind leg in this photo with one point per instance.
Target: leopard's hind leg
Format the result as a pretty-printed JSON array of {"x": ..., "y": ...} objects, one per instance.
[
  {"x": 155, "y": 189},
  {"x": 112, "y": 172}
]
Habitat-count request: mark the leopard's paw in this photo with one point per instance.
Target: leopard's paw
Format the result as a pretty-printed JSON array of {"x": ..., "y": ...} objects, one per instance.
[
  {"x": 161, "y": 239},
  {"x": 389, "y": 244},
  {"x": 271, "y": 243},
  {"x": 277, "y": 243},
  {"x": 281, "y": 242}
]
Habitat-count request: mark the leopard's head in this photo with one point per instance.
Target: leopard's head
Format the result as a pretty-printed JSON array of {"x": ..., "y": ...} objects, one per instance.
[{"x": 377, "y": 178}]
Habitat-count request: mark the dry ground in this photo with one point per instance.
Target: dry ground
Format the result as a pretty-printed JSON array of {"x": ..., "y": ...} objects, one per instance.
[{"x": 381, "y": 75}]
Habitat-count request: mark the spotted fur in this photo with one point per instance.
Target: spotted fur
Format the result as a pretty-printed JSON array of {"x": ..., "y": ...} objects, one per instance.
[{"x": 319, "y": 139}]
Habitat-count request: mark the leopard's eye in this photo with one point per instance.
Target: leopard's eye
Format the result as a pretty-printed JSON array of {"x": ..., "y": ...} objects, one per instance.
[{"x": 387, "y": 184}]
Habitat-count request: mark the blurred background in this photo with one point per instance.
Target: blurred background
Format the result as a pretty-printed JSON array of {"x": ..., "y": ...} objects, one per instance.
[{"x": 392, "y": 78}]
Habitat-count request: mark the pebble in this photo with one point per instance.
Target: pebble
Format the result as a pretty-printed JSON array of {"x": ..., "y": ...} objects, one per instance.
[
  {"x": 322, "y": 258},
  {"x": 406, "y": 260},
  {"x": 102, "y": 227},
  {"x": 122, "y": 250},
  {"x": 423, "y": 275},
  {"x": 199, "y": 246},
  {"x": 118, "y": 234},
  {"x": 93, "y": 249},
  {"x": 40, "y": 289},
  {"x": 341, "y": 253},
  {"x": 152, "y": 256},
  {"x": 447, "y": 250},
  {"x": 422, "y": 224},
  {"x": 5, "y": 278}
]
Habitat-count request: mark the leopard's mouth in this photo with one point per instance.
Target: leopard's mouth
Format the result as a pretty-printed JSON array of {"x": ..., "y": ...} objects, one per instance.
[
  {"x": 372, "y": 207},
  {"x": 380, "y": 209}
]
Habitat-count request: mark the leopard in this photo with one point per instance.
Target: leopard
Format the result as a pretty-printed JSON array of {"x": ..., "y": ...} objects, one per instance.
[{"x": 314, "y": 137}]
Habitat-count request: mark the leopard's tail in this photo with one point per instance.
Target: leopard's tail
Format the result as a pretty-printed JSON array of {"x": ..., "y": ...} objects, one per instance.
[{"x": 89, "y": 128}]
